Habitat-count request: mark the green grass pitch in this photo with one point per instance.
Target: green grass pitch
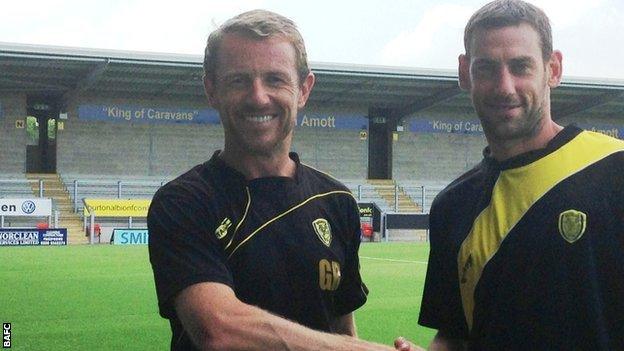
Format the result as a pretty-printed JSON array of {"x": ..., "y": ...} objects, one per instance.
[{"x": 102, "y": 297}]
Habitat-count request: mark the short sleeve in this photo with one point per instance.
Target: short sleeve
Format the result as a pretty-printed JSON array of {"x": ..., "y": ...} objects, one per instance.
[
  {"x": 352, "y": 292},
  {"x": 441, "y": 306},
  {"x": 182, "y": 251}
]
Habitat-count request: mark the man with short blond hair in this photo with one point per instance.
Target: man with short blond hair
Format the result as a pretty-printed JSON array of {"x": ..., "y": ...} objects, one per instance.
[{"x": 254, "y": 250}]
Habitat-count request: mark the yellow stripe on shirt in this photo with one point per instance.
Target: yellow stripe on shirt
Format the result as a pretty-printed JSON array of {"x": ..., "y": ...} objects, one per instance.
[{"x": 515, "y": 191}]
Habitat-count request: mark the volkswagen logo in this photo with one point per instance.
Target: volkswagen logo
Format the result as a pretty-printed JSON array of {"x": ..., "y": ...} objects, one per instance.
[{"x": 28, "y": 207}]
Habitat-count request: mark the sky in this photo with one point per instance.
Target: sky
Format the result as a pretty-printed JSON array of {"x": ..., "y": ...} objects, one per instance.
[{"x": 403, "y": 33}]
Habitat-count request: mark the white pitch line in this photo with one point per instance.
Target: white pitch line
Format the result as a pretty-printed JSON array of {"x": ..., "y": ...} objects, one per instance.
[{"x": 391, "y": 260}]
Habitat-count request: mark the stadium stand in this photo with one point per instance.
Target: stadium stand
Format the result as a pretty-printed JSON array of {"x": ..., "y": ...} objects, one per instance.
[
  {"x": 104, "y": 156},
  {"x": 435, "y": 156},
  {"x": 14, "y": 186},
  {"x": 28, "y": 186},
  {"x": 423, "y": 193},
  {"x": 12, "y": 151},
  {"x": 340, "y": 153},
  {"x": 81, "y": 186},
  {"x": 147, "y": 149},
  {"x": 150, "y": 150},
  {"x": 54, "y": 188}
]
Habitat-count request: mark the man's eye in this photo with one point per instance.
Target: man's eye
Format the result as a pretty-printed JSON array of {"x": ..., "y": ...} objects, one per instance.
[
  {"x": 484, "y": 70},
  {"x": 236, "y": 81},
  {"x": 520, "y": 68},
  {"x": 275, "y": 80}
]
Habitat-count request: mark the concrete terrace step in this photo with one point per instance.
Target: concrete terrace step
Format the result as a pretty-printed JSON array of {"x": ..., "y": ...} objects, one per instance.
[
  {"x": 386, "y": 189},
  {"x": 54, "y": 188}
]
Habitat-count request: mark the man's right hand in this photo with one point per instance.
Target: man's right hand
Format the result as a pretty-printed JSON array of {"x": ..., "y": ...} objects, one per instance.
[{"x": 401, "y": 344}]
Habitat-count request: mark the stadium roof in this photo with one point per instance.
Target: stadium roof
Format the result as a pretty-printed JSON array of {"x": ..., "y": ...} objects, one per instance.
[{"x": 69, "y": 72}]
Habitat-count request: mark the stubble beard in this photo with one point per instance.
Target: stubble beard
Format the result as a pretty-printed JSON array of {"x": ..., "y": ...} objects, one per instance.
[
  {"x": 522, "y": 127},
  {"x": 278, "y": 144}
]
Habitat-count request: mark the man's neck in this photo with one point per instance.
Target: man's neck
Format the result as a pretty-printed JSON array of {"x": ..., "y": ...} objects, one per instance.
[
  {"x": 259, "y": 166},
  {"x": 506, "y": 149}
]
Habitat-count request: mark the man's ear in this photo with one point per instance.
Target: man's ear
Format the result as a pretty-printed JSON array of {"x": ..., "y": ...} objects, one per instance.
[
  {"x": 464, "y": 72},
  {"x": 555, "y": 69},
  {"x": 210, "y": 91},
  {"x": 306, "y": 88}
]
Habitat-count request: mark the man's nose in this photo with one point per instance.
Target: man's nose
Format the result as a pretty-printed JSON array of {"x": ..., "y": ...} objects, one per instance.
[
  {"x": 505, "y": 83},
  {"x": 258, "y": 93}
]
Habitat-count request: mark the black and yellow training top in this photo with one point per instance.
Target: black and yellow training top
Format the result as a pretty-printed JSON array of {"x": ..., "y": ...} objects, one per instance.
[{"x": 528, "y": 253}]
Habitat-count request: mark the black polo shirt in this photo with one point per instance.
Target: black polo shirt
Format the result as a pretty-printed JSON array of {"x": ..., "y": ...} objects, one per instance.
[{"x": 286, "y": 245}]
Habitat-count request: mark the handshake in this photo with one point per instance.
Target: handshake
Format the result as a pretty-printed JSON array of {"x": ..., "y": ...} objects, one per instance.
[{"x": 401, "y": 344}]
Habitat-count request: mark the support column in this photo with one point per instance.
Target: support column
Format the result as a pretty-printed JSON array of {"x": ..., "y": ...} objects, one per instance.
[{"x": 381, "y": 124}]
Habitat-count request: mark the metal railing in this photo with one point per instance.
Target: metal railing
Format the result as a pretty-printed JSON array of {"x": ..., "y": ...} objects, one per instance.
[
  {"x": 18, "y": 187},
  {"x": 80, "y": 189},
  {"x": 397, "y": 197},
  {"x": 391, "y": 198}
]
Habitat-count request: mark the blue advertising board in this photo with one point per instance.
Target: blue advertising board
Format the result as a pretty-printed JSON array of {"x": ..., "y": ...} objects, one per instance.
[
  {"x": 29, "y": 237},
  {"x": 130, "y": 236},
  {"x": 474, "y": 127},
  {"x": 610, "y": 130},
  {"x": 331, "y": 121},
  {"x": 446, "y": 126},
  {"x": 142, "y": 114}
]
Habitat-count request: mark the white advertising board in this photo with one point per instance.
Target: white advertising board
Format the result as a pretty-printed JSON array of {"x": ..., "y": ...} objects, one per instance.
[{"x": 35, "y": 207}]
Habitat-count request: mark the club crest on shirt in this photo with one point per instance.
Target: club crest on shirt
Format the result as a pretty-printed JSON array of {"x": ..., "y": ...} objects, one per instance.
[
  {"x": 222, "y": 229},
  {"x": 572, "y": 225},
  {"x": 323, "y": 230}
]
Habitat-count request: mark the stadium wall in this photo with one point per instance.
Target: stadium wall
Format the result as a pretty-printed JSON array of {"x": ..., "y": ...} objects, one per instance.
[
  {"x": 432, "y": 149},
  {"x": 609, "y": 125},
  {"x": 13, "y": 140},
  {"x": 439, "y": 147},
  {"x": 168, "y": 149},
  {"x": 420, "y": 154},
  {"x": 339, "y": 150},
  {"x": 132, "y": 148}
]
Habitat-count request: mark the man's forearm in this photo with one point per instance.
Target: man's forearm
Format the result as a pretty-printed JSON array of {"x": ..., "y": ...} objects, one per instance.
[
  {"x": 216, "y": 320},
  {"x": 258, "y": 329},
  {"x": 297, "y": 337}
]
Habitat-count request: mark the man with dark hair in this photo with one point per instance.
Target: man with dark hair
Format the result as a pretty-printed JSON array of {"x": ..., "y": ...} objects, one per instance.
[
  {"x": 527, "y": 249},
  {"x": 254, "y": 250}
]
